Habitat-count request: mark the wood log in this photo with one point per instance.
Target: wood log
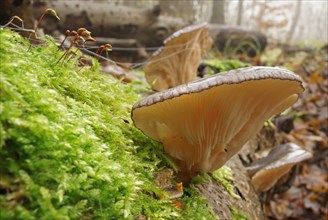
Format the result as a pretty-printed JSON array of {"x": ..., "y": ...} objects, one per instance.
[
  {"x": 111, "y": 20},
  {"x": 223, "y": 203},
  {"x": 102, "y": 18},
  {"x": 231, "y": 39},
  {"x": 106, "y": 19}
]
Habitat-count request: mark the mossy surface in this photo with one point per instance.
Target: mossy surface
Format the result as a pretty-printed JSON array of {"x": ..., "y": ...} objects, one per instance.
[
  {"x": 69, "y": 149},
  {"x": 224, "y": 65},
  {"x": 224, "y": 177},
  {"x": 238, "y": 215}
]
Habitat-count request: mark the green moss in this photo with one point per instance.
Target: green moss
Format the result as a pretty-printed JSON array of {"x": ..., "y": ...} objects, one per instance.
[
  {"x": 193, "y": 204},
  {"x": 68, "y": 147},
  {"x": 225, "y": 65},
  {"x": 224, "y": 177},
  {"x": 238, "y": 215}
]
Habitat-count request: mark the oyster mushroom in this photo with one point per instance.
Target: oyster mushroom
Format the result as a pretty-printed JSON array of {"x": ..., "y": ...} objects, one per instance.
[
  {"x": 205, "y": 122},
  {"x": 177, "y": 61},
  {"x": 266, "y": 171}
]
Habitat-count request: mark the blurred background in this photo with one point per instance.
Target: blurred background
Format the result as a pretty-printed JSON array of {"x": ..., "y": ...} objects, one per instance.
[
  {"x": 303, "y": 21},
  {"x": 149, "y": 22}
]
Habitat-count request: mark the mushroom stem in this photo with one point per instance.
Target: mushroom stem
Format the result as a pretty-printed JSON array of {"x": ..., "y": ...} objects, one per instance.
[
  {"x": 186, "y": 169},
  {"x": 185, "y": 178}
]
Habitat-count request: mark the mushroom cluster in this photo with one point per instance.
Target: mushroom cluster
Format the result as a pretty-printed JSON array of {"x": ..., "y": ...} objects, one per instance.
[
  {"x": 202, "y": 124},
  {"x": 177, "y": 61}
]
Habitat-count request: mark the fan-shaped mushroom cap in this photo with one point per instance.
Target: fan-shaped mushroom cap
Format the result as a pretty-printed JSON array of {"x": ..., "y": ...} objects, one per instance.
[
  {"x": 204, "y": 123},
  {"x": 266, "y": 171},
  {"x": 177, "y": 61}
]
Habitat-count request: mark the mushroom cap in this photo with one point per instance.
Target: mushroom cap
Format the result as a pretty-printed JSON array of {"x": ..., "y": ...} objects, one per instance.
[
  {"x": 177, "y": 61},
  {"x": 204, "y": 123},
  {"x": 268, "y": 170}
]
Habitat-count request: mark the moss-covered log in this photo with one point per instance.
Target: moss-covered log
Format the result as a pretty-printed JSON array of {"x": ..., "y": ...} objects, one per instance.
[{"x": 69, "y": 149}]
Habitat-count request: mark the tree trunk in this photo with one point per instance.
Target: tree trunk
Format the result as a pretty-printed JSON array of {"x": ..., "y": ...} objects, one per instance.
[
  {"x": 295, "y": 21},
  {"x": 218, "y": 12},
  {"x": 183, "y": 9},
  {"x": 240, "y": 11}
]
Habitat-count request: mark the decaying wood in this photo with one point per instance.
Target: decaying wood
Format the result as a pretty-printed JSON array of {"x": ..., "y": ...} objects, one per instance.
[{"x": 223, "y": 203}]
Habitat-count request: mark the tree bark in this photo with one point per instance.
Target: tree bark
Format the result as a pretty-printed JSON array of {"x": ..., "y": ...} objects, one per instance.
[
  {"x": 218, "y": 12},
  {"x": 223, "y": 204}
]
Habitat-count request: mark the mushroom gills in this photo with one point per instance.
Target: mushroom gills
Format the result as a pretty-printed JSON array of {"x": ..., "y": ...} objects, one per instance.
[
  {"x": 202, "y": 124},
  {"x": 198, "y": 133}
]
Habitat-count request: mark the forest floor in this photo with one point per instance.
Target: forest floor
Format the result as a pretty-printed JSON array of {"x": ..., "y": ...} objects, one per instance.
[{"x": 306, "y": 125}]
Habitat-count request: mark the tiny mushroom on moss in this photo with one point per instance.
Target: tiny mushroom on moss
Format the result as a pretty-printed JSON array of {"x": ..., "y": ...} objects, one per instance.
[
  {"x": 266, "y": 171},
  {"x": 205, "y": 122},
  {"x": 177, "y": 61}
]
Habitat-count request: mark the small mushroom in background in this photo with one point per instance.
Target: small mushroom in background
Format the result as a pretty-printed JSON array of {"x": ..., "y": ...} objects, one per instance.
[
  {"x": 266, "y": 171},
  {"x": 177, "y": 61},
  {"x": 202, "y": 124}
]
